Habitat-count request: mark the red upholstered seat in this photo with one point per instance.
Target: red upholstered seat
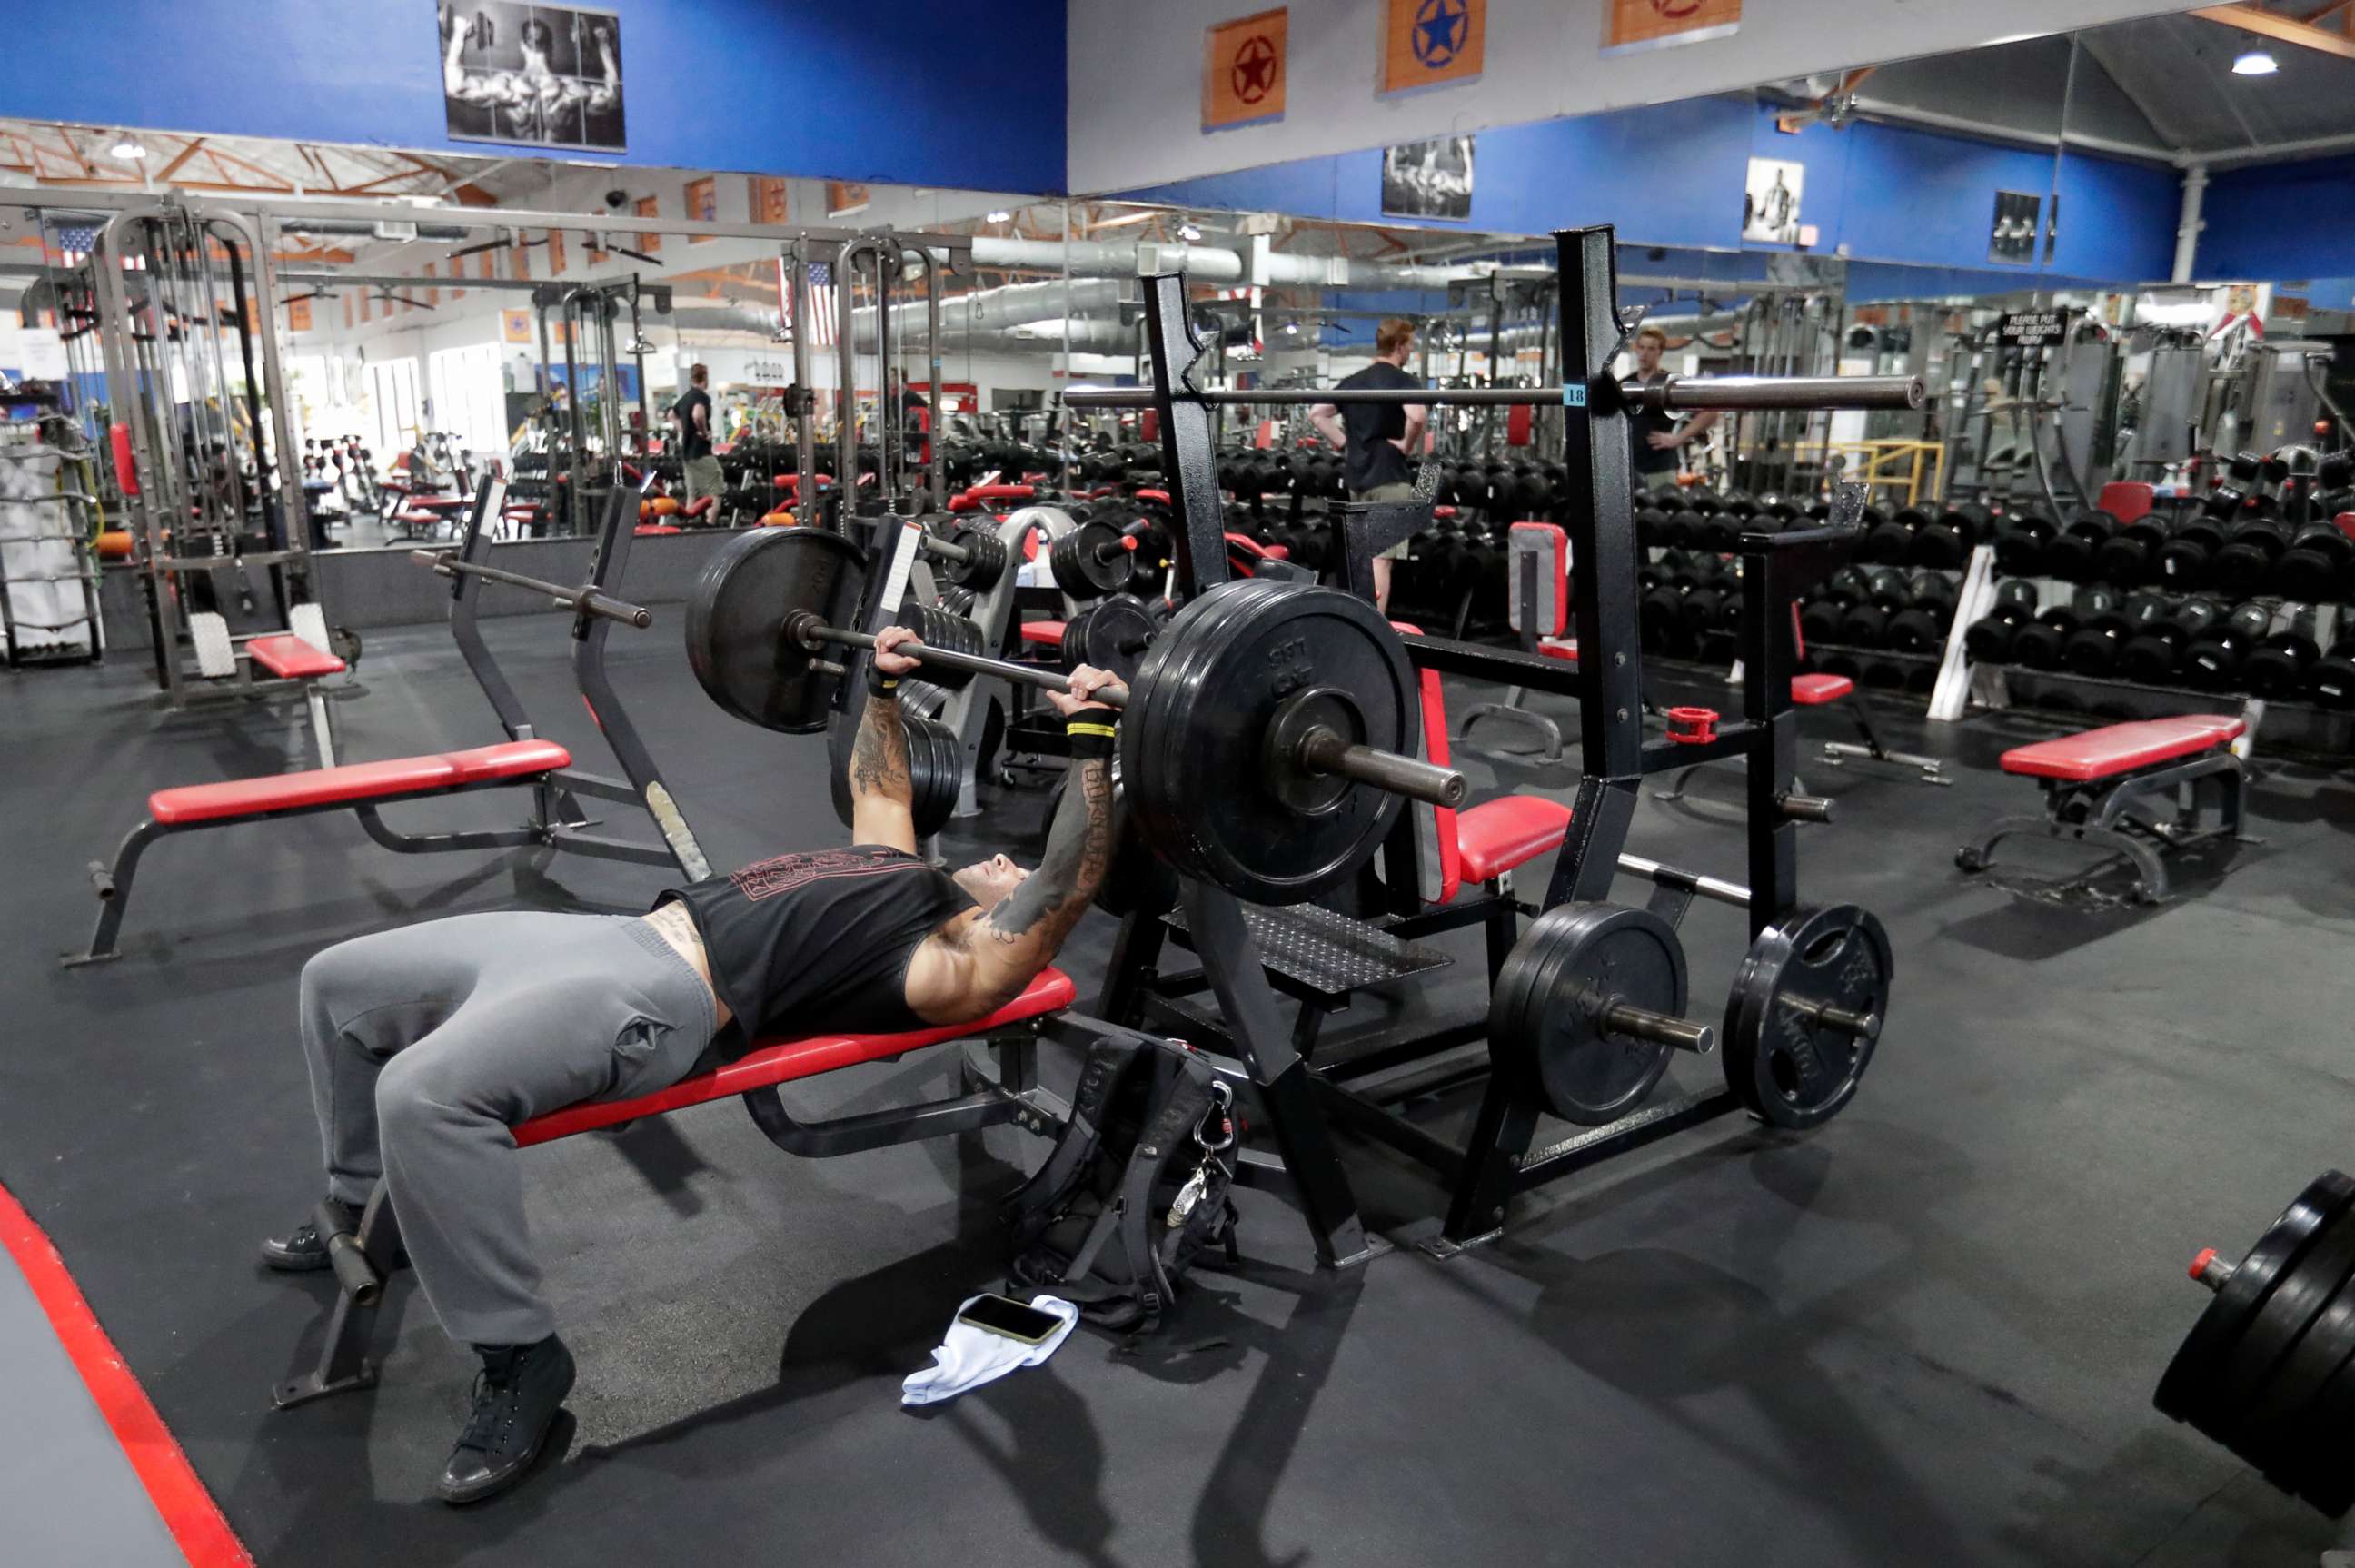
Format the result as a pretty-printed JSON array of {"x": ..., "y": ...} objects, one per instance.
[
  {"x": 700, "y": 507},
  {"x": 776, "y": 1061},
  {"x": 1563, "y": 648},
  {"x": 2127, "y": 500},
  {"x": 1814, "y": 690},
  {"x": 292, "y": 657},
  {"x": 439, "y": 503},
  {"x": 355, "y": 781},
  {"x": 1498, "y": 835},
  {"x": 2117, "y": 749},
  {"x": 644, "y": 530},
  {"x": 415, "y": 518},
  {"x": 1250, "y": 546},
  {"x": 1046, "y": 633}
]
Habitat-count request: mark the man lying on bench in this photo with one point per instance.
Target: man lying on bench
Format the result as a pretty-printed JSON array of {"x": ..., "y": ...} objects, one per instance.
[{"x": 427, "y": 1044}]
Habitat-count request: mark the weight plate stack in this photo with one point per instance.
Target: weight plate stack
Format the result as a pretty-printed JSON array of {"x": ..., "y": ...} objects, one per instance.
[
  {"x": 1207, "y": 698},
  {"x": 735, "y": 619},
  {"x": 1788, "y": 1054},
  {"x": 1544, "y": 1016}
]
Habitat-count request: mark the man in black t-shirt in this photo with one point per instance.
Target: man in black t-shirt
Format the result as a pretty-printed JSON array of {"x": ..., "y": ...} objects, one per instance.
[
  {"x": 690, "y": 420},
  {"x": 428, "y": 1043},
  {"x": 1376, "y": 438},
  {"x": 1654, "y": 438}
]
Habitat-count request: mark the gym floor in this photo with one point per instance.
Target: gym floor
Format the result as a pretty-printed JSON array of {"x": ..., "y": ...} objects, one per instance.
[{"x": 1927, "y": 1332}]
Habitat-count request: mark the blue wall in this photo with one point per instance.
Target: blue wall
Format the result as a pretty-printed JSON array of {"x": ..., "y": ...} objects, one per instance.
[
  {"x": 883, "y": 92},
  {"x": 2280, "y": 220},
  {"x": 1672, "y": 176}
]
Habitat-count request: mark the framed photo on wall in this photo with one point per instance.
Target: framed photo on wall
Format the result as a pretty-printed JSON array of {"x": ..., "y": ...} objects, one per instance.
[
  {"x": 1428, "y": 179},
  {"x": 1770, "y": 201},
  {"x": 544, "y": 76}
]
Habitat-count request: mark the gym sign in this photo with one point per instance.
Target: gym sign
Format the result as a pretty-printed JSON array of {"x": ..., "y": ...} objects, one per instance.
[
  {"x": 1432, "y": 41},
  {"x": 1630, "y": 25},
  {"x": 1242, "y": 71}
]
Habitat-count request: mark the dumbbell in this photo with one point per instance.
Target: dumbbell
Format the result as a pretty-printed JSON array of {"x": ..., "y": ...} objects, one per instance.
[
  {"x": 1682, "y": 529},
  {"x": 2279, "y": 666},
  {"x": 2245, "y": 560},
  {"x": 1889, "y": 674},
  {"x": 2021, "y": 538},
  {"x": 2331, "y": 682},
  {"x": 1819, "y": 618},
  {"x": 2317, "y": 567},
  {"x": 1921, "y": 627},
  {"x": 2094, "y": 647},
  {"x": 2154, "y": 655},
  {"x": 2188, "y": 556},
  {"x": 2129, "y": 557},
  {"x": 1720, "y": 528},
  {"x": 2038, "y": 643},
  {"x": 1889, "y": 541},
  {"x": 1713, "y": 586},
  {"x": 1782, "y": 509},
  {"x": 1651, "y": 525},
  {"x": 2069, "y": 554},
  {"x": 1739, "y": 502},
  {"x": 1988, "y": 640},
  {"x": 1947, "y": 538},
  {"x": 1659, "y": 614},
  {"x": 1866, "y": 625},
  {"x": 2213, "y": 659}
]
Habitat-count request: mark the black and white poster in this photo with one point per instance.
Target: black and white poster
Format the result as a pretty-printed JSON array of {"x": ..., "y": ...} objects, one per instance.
[
  {"x": 548, "y": 76},
  {"x": 1428, "y": 179},
  {"x": 1770, "y": 201}
]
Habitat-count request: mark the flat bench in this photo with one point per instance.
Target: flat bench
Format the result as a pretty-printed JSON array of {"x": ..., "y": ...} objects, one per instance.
[
  {"x": 2095, "y": 781},
  {"x": 365, "y": 1254},
  {"x": 358, "y": 787}
]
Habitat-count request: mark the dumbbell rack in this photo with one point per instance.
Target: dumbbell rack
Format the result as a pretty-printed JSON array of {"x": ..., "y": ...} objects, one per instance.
[{"x": 1617, "y": 756}]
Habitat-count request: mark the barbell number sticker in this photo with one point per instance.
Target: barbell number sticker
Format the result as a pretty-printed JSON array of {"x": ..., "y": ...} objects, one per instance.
[
  {"x": 1573, "y": 397},
  {"x": 903, "y": 561}
]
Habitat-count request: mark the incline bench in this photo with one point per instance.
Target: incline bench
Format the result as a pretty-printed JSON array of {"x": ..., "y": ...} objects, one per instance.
[
  {"x": 363, "y": 1256},
  {"x": 2095, "y": 778}
]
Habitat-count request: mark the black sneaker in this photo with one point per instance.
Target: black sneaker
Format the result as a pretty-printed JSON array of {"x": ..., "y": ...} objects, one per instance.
[
  {"x": 303, "y": 1249},
  {"x": 517, "y": 1397}
]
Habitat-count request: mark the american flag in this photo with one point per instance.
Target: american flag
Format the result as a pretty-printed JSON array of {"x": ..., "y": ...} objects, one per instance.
[
  {"x": 77, "y": 240},
  {"x": 823, "y": 304}
]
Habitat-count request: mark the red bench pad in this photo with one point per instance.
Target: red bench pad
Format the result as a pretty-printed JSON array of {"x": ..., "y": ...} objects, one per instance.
[
  {"x": 440, "y": 502},
  {"x": 1495, "y": 836},
  {"x": 2117, "y": 749},
  {"x": 1814, "y": 690},
  {"x": 292, "y": 657},
  {"x": 783, "y": 1060},
  {"x": 1046, "y": 633},
  {"x": 355, "y": 781},
  {"x": 1562, "y": 648}
]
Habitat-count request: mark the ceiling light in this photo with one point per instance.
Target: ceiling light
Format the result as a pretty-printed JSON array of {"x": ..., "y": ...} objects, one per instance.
[
  {"x": 998, "y": 215},
  {"x": 1189, "y": 233},
  {"x": 2255, "y": 62},
  {"x": 130, "y": 151}
]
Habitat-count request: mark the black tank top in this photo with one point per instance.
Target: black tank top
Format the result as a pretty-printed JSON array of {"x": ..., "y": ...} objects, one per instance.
[{"x": 817, "y": 943}]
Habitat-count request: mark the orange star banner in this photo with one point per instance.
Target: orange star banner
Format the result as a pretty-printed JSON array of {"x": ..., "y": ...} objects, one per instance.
[
  {"x": 1432, "y": 41},
  {"x": 298, "y": 315},
  {"x": 1242, "y": 71},
  {"x": 1657, "y": 24}
]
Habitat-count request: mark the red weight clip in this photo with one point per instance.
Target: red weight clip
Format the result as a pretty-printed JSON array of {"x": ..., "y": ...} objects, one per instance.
[{"x": 1692, "y": 726}]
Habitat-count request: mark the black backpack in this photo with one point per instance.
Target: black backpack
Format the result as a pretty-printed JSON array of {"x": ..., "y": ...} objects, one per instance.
[{"x": 1135, "y": 1189}]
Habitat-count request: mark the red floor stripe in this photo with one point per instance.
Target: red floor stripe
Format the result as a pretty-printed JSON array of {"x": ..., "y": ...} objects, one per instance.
[{"x": 197, "y": 1525}]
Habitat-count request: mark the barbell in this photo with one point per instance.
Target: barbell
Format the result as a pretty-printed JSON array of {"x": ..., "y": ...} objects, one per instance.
[
  {"x": 1267, "y": 738},
  {"x": 1677, "y": 393},
  {"x": 588, "y": 599}
]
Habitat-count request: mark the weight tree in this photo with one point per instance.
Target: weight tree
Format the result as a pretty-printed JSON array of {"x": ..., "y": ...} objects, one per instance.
[{"x": 1616, "y": 753}]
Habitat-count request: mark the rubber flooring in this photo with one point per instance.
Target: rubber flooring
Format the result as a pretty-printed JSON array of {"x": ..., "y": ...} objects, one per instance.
[{"x": 1925, "y": 1333}]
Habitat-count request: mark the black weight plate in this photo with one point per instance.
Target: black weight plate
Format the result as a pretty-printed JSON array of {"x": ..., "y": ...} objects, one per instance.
[
  {"x": 2297, "y": 1298},
  {"x": 734, "y": 621},
  {"x": 2328, "y": 1478},
  {"x": 1790, "y": 1070},
  {"x": 2276, "y": 1433},
  {"x": 2186, "y": 1389},
  {"x": 1114, "y": 635},
  {"x": 1193, "y": 735},
  {"x": 1545, "y": 1016}
]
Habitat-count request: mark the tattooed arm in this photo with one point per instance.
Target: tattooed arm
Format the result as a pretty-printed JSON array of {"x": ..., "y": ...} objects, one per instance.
[
  {"x": 882, "y": 794},
  {"x": 981, "y": 964}
]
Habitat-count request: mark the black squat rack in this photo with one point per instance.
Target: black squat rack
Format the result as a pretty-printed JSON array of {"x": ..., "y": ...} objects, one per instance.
[{"x": 1807, "y": 1006}]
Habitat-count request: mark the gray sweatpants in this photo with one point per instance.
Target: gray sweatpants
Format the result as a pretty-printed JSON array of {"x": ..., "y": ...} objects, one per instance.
[{"x": 427, "y": 1044}]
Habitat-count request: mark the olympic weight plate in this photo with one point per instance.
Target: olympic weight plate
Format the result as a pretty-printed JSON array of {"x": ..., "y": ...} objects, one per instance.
[
  {"x": 1545, "y": 1016},
  {"x": 2191, "y": 1389},
  {"x": 1111, "y": 634},
  {"x": 2242, "y": 1376},
  {"x": 2293, "y": 1431},
  {"x": 1194, "y": 736},
  {"x": 735, "y": 638},
  {"x": 1790, "y": 1067}
]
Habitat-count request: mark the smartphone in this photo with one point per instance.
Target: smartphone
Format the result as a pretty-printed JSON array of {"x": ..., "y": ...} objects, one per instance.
[{"x": 1003, "y": 1314}]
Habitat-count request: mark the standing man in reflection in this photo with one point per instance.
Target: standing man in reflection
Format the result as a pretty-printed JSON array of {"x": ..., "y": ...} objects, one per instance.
[
  {"x": 1654, "y": 436},
  {"x": 1375, "y": 439}
]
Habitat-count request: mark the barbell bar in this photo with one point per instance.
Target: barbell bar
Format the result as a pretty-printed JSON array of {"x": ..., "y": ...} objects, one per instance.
[
  {"x": 1677, "y": 393},
  {"x": 1315, "y": 748},
  {"x": 587, "y": 600}
]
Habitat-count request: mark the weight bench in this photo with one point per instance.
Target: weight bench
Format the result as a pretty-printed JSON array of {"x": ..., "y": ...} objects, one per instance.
[
  {"x": 357, "y": 788},
  {"x": 2095, "y": 780},
  {"x": 365, "y": 1252},
  {"x": 1539, "y": 612}
]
